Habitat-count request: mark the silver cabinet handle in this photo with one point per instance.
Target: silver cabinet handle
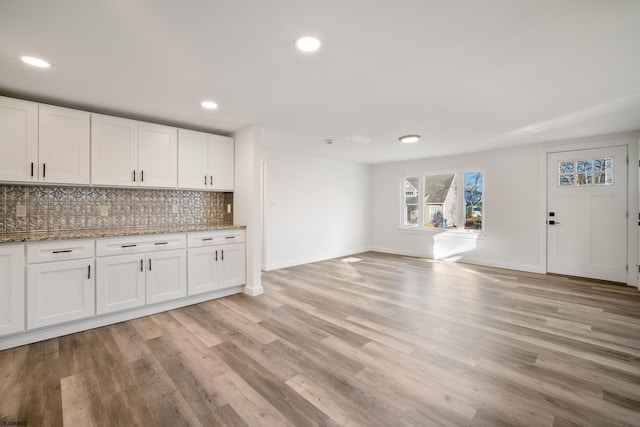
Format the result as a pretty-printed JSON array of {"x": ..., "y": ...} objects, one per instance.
[
  {"x": 149, "y": 264},
  {"x": 141, "y": 265},
  {"x": 66, "y": 251},
  {"x": 89, "y": 271}
]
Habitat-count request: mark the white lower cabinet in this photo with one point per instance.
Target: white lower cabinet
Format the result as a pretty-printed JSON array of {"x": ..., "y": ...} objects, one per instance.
[
  {"x": 44, "y": 285},
  {"x": 134, "y": 271},
  {"x": 232, "y": 265},
  {"x": 120, "y": 283},
  {"x": 59, "y": 292},
  {"x": 166, "y": 276},
  {"x": 11, "y": 289},
  {"x": 213, "y": 265},
  {"x": 60, "y": 282}
]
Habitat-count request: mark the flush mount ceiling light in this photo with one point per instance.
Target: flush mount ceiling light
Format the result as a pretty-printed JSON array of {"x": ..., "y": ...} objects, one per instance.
[
  {"x": 209, "y": 105},
  {"x": 36, "y": 62},
  {"x": 308, "y": 44},
  {"x": 409, "y": 139}
]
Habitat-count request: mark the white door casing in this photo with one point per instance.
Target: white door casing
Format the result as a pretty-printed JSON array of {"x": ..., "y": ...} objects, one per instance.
[{"x": 587, "y": 224}]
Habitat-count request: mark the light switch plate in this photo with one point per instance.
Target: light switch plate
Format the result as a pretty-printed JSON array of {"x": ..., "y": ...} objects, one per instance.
[
  {"x": 104, "y": 210},
  {"x": 228, "y": 208},
  {"x": 21, "y": 211},
  {"x": 175, "y": 209}
]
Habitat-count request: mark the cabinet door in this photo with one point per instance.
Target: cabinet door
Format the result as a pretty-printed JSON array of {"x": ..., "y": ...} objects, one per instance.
[
  {"x": 203, "y": 269},
  {"x": 120, "y": 283},
  {"x": 157, "y": 155},
  {"x": 221, "y": 162},
  {"x": 193, "y": 151},
  {"x": 11, "y": 289},
  {"x": 59, "y": 292},
  {"x": 166, "y": 275},
  {"x": 63, "y": 145},
  {"x": 114, "y": 150},
  {"x": 232, "y": 265},
  {"x": 18, "y": 140}
]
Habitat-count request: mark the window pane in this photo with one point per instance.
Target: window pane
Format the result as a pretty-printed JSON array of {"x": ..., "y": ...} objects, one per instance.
[
  {"x": 440, "y": 194},
  {"x": 566, "y": 180},
  {"x": 566, "y": 167},
  {"x": 584, "y": 165},
  {"x": 585, "y": 172},
  {"x": 473, "y": 200},
  {"x": 411, "y": 201}
]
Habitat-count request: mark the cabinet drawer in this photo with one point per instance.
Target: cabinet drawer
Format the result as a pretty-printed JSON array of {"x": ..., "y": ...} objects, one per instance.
[
  {"x": 217, "y": 237},
  {"x": 60, "y": 250},
  {"x": 140, "y": 244}
]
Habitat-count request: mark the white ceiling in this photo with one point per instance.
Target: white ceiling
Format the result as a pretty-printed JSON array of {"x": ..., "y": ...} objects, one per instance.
[{"x": 468, "y": 75}]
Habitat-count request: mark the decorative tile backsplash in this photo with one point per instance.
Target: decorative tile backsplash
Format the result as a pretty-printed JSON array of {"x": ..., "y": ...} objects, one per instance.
[{"x": 36, "y": 208}]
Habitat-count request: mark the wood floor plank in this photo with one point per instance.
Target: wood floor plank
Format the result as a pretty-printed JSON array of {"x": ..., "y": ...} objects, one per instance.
[{"x": 366, "y": 340}]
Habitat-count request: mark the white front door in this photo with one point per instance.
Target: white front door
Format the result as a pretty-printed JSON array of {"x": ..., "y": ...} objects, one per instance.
[{"x": 587, "y": 213}]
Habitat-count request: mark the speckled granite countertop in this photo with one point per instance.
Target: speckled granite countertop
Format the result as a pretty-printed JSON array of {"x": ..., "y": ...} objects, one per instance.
[{"x": 38, "y": 236}]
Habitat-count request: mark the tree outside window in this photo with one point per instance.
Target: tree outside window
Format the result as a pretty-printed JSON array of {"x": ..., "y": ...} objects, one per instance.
[{"x": 473, "y": 200}]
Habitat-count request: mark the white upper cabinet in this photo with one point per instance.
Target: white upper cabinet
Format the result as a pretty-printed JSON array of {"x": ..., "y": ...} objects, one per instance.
[
  {"x": 114, "y": 150},
  {"x": 157, "y": 155},
  {"x": 43, "y": 143},
  {"x": 18, "y": 139},
  {"x": 206, "y": 161},
  {"x": 193, "y": 159},
  {"x": 221, "y": 163},
  {"x": 47, "y": 144},
  {"x": 130, "y": 153},
  {"x": 64, "y": 145}
]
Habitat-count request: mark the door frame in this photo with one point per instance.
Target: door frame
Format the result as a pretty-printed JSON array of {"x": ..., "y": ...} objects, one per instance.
[{"x": 632, "y": 141}]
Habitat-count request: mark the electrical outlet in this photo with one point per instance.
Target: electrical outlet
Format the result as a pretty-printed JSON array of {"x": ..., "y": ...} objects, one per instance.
[
  {"x": 228, "y": 208},
  {"x": 21, "y": 211},
  {"x": 175, "y": 209},
  {"x": 104, "y": 210}
]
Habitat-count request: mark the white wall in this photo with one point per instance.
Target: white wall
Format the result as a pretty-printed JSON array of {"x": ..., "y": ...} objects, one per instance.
[
  {"x": 314, "y": 208},
  {"x": 246, "y": 202},
  {"x": 511, "y": 210},
  {"x": 514, "y": 206}
]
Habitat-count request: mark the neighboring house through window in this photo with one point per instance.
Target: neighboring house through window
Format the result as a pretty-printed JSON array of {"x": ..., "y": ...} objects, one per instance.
[{"x": 432, "y": 201}]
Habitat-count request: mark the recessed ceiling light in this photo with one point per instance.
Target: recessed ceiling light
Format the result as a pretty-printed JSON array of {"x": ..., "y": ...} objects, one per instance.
[
  {"x": 409, "y": 139},
  {"x": 308, "y": 44},
  {"x": 36, "y": 62},
  {"x": 209, "y": 105}
]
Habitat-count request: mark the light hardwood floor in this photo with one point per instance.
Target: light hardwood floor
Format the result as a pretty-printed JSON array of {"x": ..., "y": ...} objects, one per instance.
[{"x": 380, "y": 341}]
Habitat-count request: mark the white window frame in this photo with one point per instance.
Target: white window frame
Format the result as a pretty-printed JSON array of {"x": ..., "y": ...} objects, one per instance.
[{"x": 460, "y": 203}]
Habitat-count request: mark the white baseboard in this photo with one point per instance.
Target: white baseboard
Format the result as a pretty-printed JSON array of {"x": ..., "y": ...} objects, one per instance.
[
  {"x": 253, "y": 291},
  {"x": 55, "y": 331},
  {"x": 474, "y": 261},
  {"x": 308, "y": 260},
  {"x": 505, "y": 265}
]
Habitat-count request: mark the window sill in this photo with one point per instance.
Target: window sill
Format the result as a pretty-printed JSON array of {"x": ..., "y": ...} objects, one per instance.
[{"x": 457, "y": 234}]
